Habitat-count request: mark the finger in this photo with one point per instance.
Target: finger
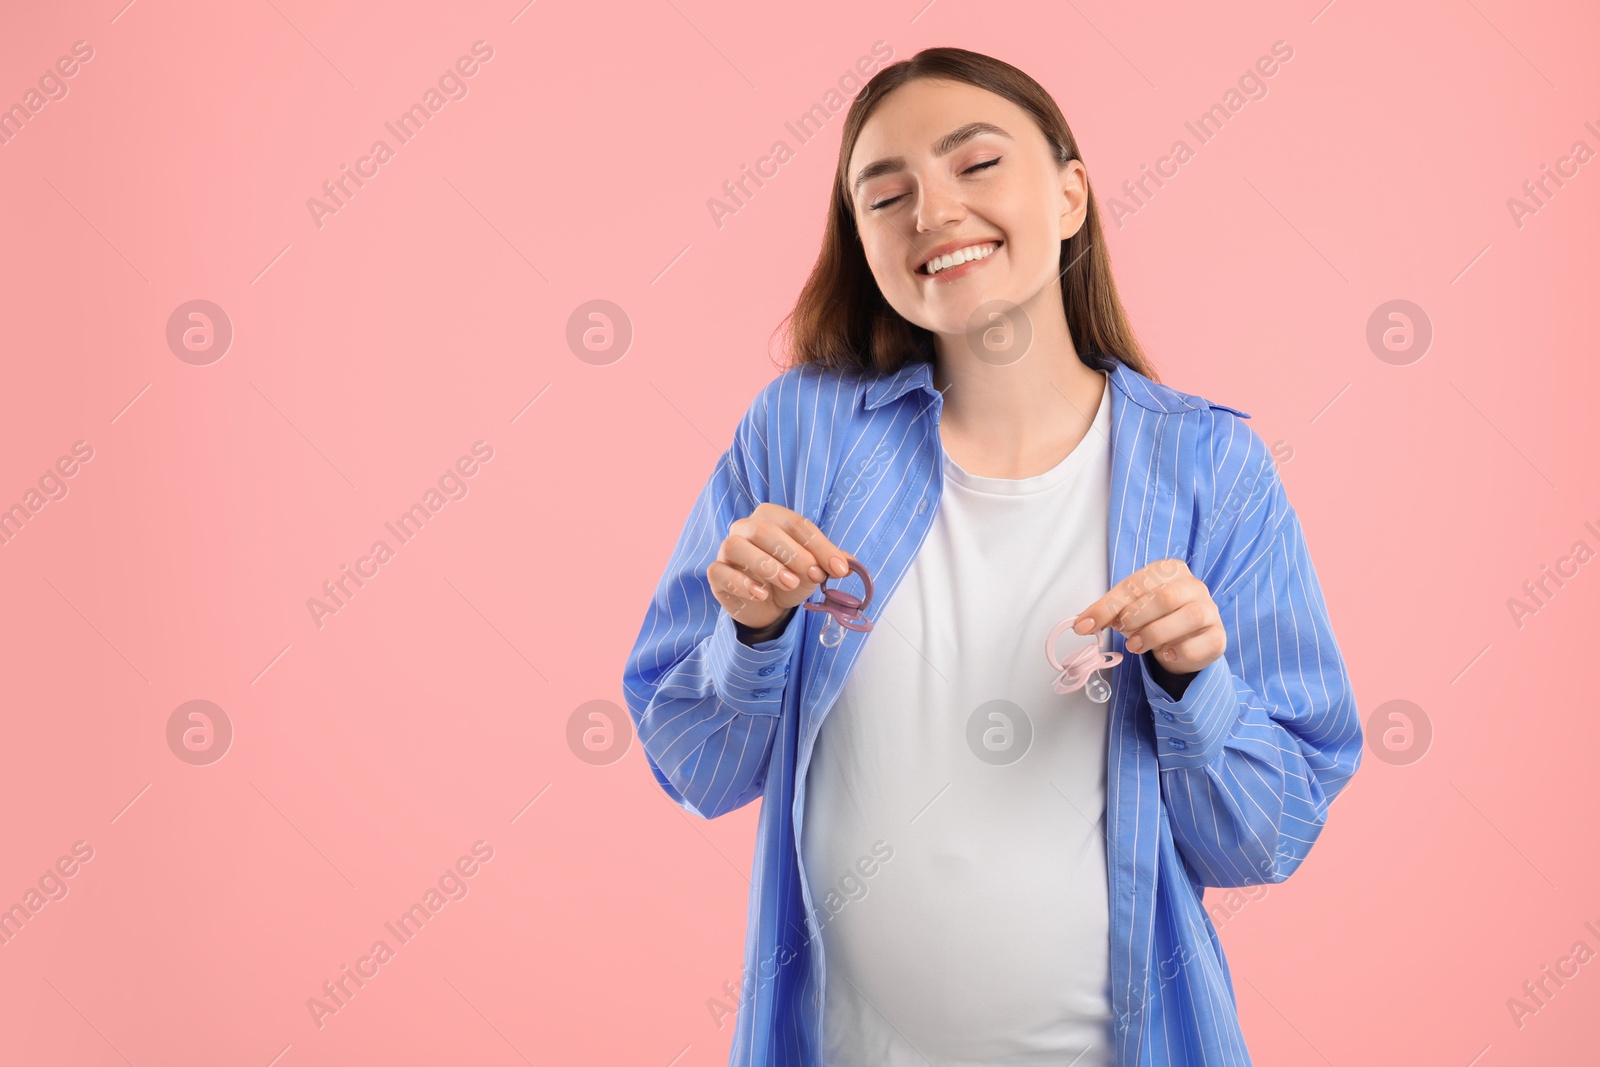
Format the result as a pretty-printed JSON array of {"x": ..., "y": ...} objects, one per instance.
[
  {"x": 1186, "y": 655},
  {"x": 748, "y": 552},
  {"x": 762, "y": 567},
  {"x": 1159, "y": 602},
  {"x": 726, "y": 585},
  {"x": 808, "y": 535},
  {"x": 1096, "y": 616},
  {"x": 1186, "y": 620},
  {"x": 1102, "y": 612},
  {"x": 733, "y": 588}
]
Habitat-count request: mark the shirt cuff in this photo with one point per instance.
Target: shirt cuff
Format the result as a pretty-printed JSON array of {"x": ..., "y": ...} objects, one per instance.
[
  {"x": 1165, "y": 678},
  {"x": 752, "y": 678},
  {"x": 1190, "y": 731}
]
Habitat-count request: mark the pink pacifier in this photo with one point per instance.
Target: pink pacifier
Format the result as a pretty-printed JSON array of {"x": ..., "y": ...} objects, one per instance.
[
  {"x": 846, "y": 611},
  {"x": 1081, "y": 670}
]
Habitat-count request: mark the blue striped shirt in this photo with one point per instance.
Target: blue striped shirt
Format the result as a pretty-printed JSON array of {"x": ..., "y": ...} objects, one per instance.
[{"x": 1227, "y": 786}]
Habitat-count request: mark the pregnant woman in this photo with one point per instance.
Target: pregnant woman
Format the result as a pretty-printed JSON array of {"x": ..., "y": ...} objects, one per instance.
[{"x": 960, "y": 859}]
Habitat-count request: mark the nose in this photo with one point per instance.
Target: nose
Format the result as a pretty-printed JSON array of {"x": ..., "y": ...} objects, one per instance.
[{"x": 938, "y": 205}]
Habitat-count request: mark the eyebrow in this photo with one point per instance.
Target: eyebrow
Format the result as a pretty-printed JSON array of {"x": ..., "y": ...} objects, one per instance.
[{"x": 942, "y": 147}]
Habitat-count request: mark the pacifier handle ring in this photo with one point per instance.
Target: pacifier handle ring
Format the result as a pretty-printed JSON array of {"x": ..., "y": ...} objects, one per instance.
[
  {"x": 866, "y": 580},
  {"x": 1055, "y": 635},
  {"x": 1077, "y": 669},
  {"x": 849, "y": 615}
]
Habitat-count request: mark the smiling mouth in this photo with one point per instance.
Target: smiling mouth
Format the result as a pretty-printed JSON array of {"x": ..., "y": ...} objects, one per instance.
[{"x": 970, "y": 254}]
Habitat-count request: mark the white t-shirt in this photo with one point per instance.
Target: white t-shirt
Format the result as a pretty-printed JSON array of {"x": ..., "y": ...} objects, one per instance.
[{"x": 982, "y": 935}]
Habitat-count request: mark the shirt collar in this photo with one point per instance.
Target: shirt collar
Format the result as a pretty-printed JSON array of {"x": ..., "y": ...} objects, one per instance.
[
  {"x": 918, "y": 374},
  {"x": 887, "y": 387}
]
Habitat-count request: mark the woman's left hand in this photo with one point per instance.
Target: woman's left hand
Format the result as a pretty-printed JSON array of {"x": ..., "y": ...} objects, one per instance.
[{"x": 1164, "y": 608}]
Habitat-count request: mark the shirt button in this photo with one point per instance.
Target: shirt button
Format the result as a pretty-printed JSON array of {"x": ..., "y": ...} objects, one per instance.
[
  {"x": 760, "y": 692},
  {"x": 1165, "y": 714},
  {"x": 922, "y": 505},
  {"x": 1178, "y": 742},
  {"x": 768, "y": 669}
]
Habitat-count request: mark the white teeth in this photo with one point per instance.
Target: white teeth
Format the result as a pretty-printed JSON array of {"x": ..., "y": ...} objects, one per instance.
[{"x": 960, "y": 256}]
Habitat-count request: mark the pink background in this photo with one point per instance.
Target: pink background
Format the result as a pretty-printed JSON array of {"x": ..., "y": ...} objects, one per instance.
[{"x": 431, "y": 312}]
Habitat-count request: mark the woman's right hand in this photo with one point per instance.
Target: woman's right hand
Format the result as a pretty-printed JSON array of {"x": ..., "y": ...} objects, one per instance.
[{"x": 770, "y": 563}]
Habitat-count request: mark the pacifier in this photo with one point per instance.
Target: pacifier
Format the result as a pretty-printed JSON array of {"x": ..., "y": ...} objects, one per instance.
[
  {"x": 846, "y": 611},
  {"x": 1081, "y": 670}
]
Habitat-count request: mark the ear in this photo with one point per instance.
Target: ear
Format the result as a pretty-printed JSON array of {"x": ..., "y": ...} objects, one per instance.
[{"x": 1074, "y": 197}]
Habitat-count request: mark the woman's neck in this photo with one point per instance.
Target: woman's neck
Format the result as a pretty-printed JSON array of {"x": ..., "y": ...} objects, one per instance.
[{"x": 1017, "y": 420}]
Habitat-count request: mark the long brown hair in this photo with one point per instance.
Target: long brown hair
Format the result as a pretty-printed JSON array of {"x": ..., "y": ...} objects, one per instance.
[{"x": 841, "y": 320}]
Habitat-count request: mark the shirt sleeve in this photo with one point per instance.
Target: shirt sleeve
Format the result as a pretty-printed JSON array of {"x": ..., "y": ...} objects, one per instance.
[
  {"x": 706, "y": 706},
  {"x": 1265, "y": 737}
]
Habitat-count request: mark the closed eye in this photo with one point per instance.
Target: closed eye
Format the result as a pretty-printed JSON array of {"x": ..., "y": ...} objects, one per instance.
[{"x": 975, "y": 167}]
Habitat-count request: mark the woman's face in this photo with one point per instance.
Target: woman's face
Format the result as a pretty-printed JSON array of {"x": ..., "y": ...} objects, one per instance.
[{"x": 948, "y": 165}]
